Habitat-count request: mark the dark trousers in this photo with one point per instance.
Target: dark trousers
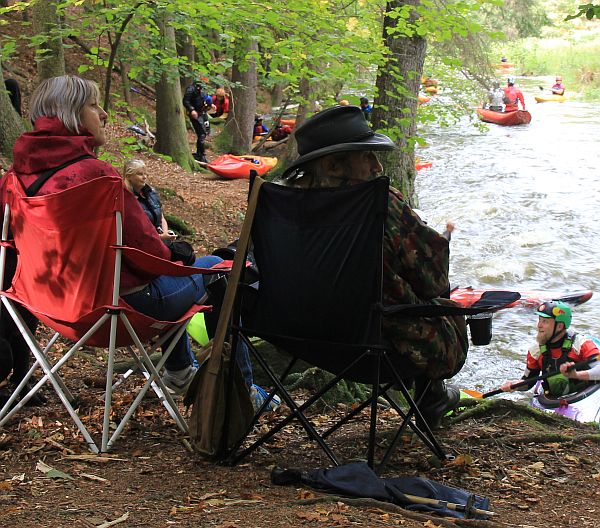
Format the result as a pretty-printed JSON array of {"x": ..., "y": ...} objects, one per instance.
[{"x": 201, "y": 133}]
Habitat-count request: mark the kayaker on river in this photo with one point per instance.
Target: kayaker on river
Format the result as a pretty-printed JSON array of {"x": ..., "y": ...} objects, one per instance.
[
  {"x": 512, "y": 96},
  {"x": 496, "y": 98},
  {"x": 558, "y": 348},
  {"x": 559, "y": 87}
]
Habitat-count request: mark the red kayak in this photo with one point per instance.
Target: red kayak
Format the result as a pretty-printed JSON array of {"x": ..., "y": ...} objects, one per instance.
[
  {"x": 530, "y": 299},
  {"x": 419, "y": 165},
  {"x": 518, "y": 117},
  {"x": 235, "y": 167}
]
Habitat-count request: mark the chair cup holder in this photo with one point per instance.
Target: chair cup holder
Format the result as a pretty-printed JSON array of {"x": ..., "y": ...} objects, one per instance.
[{"x": 481, "y": 328}]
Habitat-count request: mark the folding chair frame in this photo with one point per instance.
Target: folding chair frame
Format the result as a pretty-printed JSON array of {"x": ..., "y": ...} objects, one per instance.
[
  {"x": 296, "y": 412},
  {"x": 113, "y": 314},
  {"x": 372, "y": 348}
]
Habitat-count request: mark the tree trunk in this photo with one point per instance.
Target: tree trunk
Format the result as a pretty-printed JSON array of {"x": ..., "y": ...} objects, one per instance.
[
  {"x": 125, "y": 84},
  {"x": 51, "y": 59},
  {"x": 185, "y": 48},
  {"x": 291, "y": 151},
  {"x": 171, "y": 134},
  {"x": 396, "y": 106},
  {"x": 11, "y": 125},
  {"x": 240, "y": 123}
]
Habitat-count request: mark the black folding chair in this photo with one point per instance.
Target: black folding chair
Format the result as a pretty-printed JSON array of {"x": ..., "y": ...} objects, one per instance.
[{"x": 319, "y": 254}]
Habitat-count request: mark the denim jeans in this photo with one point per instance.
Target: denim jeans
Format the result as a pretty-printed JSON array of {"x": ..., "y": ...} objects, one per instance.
[{"x": 168, "y": 298}]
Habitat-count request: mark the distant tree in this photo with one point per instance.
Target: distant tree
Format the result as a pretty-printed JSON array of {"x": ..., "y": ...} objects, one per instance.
[
  {"x": 240, "y": 123},
  {"x": 171, "y": 134},
  {"x": 47, "y": 26}
]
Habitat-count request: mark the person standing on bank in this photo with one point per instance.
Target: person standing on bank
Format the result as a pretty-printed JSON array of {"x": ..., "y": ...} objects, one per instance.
[
  {"x": 337, "y": 148},
  {"x": 197, "y": 104}
]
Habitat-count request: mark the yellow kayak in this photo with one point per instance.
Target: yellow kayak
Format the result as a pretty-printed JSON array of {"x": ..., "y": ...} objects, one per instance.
[{"x": 552, "y": 98}]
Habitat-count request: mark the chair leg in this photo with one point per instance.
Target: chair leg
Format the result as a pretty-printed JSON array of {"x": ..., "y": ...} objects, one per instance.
[
  {"x": 296, "y": 412},
  {"x": 50, "y": 373},
  {"x": 373, "y": 421}
]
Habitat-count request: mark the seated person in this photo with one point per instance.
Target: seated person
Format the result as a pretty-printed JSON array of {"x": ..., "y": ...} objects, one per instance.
[
  {"x": 221, "y": 103},
  {"x": 259, "y": 128},
  {"x": 135, "y": 181},
  {"x": 338, "y": 148},
  {"x": 68, "y": 123},
  {"x": 558, "y": 348},
  {"x": 496, "y": 98},
  {"x": 280, "y": 132},
  {"x": 559, "y": 87}
]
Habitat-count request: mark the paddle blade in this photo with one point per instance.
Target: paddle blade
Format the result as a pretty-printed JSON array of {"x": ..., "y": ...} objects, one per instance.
[
  {"x": 541, "y": 88},
  {"x": 471, "y": 393}
]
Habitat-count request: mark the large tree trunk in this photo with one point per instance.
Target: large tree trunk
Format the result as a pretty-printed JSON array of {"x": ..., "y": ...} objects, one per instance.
[
  {"x": 396, "y": 107},
  {"x": 240, "y": 123},
  {"x": 185, "y": 48},
  {"x": 51, "y": 62},
  {"x": 11, "y": 125},
  {"x": 171, "y": 134}
]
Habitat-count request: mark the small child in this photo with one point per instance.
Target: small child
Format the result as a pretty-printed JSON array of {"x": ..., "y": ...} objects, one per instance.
[{"x": 135, "y": 180}]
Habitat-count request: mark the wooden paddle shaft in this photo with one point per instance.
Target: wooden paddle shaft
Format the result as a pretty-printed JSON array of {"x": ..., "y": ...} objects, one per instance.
[{"x": 450, "y": 505}]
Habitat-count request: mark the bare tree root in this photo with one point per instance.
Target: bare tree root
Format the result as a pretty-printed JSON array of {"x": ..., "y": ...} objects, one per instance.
[
  {"x": 393, "y": 508},
  {"x": 539, "y": 438},
  {"x": 487, "y": 408}
]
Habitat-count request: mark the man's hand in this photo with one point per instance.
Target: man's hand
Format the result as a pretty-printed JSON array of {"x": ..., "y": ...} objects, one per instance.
[
  {"x": 194, "y": 114},
  {"x": 506, "y": 386},
  {"x": 566, "y": 369}
]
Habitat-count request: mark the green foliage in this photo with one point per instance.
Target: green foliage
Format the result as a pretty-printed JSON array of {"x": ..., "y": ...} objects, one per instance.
[
  {"x": 588, "y": 10},
  {"x": 175, "y": 223}
]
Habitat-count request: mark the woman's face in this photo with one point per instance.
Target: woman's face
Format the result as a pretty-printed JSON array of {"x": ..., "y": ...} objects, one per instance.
[
  {"x": 138, "y": 179},
  {"x": 93, "y": 118}
]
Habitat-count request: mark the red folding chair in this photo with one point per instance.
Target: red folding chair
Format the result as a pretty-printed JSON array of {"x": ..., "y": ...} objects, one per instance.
[{"x": 68, "y": 273}]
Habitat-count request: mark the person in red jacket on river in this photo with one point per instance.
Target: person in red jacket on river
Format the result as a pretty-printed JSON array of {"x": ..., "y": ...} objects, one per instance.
[{"x": 512, "y": 96}]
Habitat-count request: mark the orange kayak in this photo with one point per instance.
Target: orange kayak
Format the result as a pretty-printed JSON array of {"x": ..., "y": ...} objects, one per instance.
[
  {"x": 518, "y": 117},
  {"x": 529, "y": 299},
  {"x": 289, "y": 122},
  {"x": 423, "y": 165},
  {"x": 235, "y": 167},
  {"x": 424, "y": 99}
]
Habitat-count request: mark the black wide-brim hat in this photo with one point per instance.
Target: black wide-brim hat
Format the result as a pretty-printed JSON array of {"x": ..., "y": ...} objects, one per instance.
[{"x": 336, "y": 129}]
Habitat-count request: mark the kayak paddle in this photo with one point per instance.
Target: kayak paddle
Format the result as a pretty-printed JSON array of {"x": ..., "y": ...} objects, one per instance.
[{"x": 577, "y": 366}]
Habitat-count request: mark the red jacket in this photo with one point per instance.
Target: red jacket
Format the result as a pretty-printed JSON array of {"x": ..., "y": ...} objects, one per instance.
[
  {"x": 513, "y": 95},
  {"x": 50, "y": 145}
]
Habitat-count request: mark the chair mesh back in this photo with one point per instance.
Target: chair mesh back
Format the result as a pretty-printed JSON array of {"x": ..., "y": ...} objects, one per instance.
[
  {"x": 319, "y": 256},
  {"x": 57, "y": 274}
]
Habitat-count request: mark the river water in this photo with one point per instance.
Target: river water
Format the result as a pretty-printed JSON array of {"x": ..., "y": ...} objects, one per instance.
[{"x": 525, "y": 203}]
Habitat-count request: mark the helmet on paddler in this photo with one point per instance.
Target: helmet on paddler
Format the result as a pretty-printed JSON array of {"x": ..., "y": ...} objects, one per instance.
[
  {"x": 557, "y": 310},
  {"x": 510, "y": 80},
  {"x": 558, "y": 78}
]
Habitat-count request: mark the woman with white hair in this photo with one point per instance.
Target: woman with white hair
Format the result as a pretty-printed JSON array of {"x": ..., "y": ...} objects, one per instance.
[
  {"x": 135, "y": 179},
  {"x": 68, "y": 127}
]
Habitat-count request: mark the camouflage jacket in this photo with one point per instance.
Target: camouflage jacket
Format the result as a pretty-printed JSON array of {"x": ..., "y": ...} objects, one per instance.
[{"x": 416, "y": 257}]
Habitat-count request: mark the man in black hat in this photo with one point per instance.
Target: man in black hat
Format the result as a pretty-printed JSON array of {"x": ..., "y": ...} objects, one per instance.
[{"x": 338, "y": 148}]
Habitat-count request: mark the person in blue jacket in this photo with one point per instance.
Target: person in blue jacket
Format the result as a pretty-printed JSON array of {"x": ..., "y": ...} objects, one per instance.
[
  {"x": 135, "y": 179},
  {"x": 366, "y": 108}
]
